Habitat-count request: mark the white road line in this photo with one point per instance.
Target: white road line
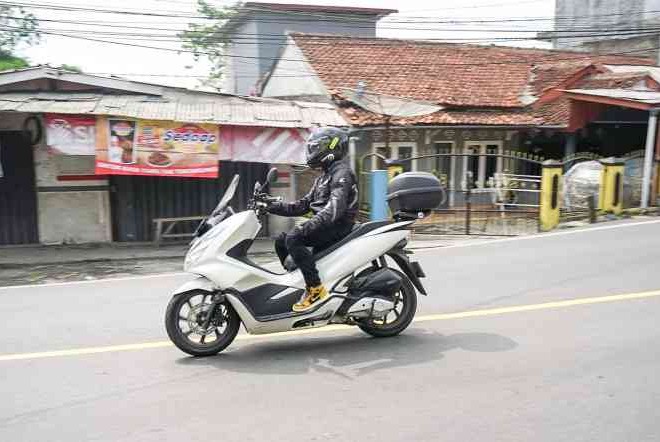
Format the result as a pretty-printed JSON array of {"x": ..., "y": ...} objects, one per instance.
[
  {"x": 539, "y": 236},
  {"x": 333, "y": 328},
  {"x": 96, "y": 281}
]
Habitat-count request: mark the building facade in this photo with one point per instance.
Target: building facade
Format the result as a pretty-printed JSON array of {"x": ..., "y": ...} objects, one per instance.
[
  {"x": 93, "y": 159},
  {"x": 608, "y": 26},
  {"x": 259, "y": 31},
  {"x": 499, "y": 111}
]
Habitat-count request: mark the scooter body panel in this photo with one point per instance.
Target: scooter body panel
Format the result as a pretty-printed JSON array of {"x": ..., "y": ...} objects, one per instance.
[{"x": 214, "y": 258}]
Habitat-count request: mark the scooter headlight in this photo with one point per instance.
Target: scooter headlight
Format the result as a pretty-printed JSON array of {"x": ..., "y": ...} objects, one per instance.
[
  {"x": 195, "y": 253},
  {"x": 200, "y": 245}
]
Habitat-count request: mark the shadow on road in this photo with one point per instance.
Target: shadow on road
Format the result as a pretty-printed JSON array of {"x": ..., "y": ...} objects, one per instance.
[{"x": 349, "y": 356}]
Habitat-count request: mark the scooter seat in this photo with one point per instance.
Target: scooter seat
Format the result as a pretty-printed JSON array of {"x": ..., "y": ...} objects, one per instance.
[{"x": 358, "y": 230}]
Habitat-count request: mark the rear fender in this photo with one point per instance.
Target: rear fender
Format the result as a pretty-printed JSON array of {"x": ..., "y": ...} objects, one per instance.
[{"x": 412, "y": 269}]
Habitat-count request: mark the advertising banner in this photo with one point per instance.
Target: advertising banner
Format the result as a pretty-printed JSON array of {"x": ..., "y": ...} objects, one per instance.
[
  {"x": 264, "y": 145},
  {"x": 71, "y": 135},
  {"x": 158, "y": 148}
]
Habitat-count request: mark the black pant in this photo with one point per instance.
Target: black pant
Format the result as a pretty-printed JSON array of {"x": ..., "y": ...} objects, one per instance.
[{"x": 296, "y": 243}]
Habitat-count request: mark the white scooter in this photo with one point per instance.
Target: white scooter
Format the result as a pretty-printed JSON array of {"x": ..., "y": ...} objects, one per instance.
[{"x": 204, "y": 315}]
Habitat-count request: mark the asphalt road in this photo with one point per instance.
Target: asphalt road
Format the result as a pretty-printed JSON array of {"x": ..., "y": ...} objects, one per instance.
[{"x": 555, "y": 338}]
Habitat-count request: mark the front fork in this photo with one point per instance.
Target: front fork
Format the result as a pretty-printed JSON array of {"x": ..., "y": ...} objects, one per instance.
[{"x": 218, "y": 298}]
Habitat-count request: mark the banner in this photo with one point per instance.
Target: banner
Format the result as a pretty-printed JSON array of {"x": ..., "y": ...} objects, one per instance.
[
  {"x": 158, "y": 148},
  {"x": 264, "y": 145},
  {"x": 71, "y": 135}
]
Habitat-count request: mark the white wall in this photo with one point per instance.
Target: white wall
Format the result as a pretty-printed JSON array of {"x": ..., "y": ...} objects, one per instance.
[
  {"x": 241, "y": 69},
  {"x": 603, "y": 14},
  {"x": 284, "y": 188},
  {"x": 283, "y": 83}
]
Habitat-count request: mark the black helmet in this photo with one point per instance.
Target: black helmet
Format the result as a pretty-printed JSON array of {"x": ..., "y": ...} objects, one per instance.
[{"x": 325, "y": 146}]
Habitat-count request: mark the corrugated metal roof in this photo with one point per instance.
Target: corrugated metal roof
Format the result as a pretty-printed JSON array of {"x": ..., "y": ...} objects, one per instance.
[
  {"x": 190, "y": 107},
  {"x": 652, "y": 71},
  {"x": 646, "y": 97}
]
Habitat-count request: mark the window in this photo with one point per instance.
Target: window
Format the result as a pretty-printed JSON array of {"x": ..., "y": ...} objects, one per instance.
[
  {"x": 442, "y": 165},
  {"x": 479, "y": 169},
  {"x": 398, "y": 151}
]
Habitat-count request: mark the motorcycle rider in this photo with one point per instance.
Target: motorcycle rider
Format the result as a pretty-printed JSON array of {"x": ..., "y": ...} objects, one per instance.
[{"x": 333, "y": 202}]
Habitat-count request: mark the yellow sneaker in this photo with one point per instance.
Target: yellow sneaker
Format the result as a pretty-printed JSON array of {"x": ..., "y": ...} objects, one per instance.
[{"x": 312, "y": 296}]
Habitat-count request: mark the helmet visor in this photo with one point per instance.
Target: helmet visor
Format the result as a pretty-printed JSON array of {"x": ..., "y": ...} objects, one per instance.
[{"x": 317, "y": 148}]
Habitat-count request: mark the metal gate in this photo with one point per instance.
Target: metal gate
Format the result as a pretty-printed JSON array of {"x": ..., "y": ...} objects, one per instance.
[
  {"x": 507, "y": 206},
  {"x": 137, "y": 200},
  {"x": 486, "y": 194},
  {"x": 18, "y": 198}
]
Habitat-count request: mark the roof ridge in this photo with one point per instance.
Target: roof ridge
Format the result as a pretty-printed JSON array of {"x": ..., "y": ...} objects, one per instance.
[{"x": 466, "y": 45}]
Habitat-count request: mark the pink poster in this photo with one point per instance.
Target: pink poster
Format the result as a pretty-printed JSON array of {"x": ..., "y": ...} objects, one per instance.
[
  {"x": 263, "y": 145},
  {"x": 71, "y": 134}
]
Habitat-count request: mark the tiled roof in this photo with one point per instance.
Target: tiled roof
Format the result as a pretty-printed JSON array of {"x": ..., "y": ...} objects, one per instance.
[
  {"x": 614, "y": 81},
  {"x": 490, "y": 85},
  {"x": 443, "y": 73},
  {"x": 357, "y": 116}
]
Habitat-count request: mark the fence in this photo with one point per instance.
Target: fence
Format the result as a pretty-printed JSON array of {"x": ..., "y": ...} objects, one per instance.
[{"x": 481, "y": 199}]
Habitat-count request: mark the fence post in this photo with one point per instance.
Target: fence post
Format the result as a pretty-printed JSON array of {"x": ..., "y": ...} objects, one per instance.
[
  {"x": 611, "y": 186},
  {"x": 591, "y": 204},
  {"x": 378, "y": 195},
  {"x": 550, "y": 192}
]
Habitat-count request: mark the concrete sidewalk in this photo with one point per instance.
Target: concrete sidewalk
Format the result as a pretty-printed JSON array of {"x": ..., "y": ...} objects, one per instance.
[
  {"x": 17, "y": 257},
  {"x": 13, "y": 257}
]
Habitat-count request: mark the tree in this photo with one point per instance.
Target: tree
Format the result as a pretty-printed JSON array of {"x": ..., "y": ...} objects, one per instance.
[
  {"x": 9, "y": 62},
  {"x": 71, "y": 68},
  {"x": 210, "y": 39},
  {"x": 16, "y": 26}
]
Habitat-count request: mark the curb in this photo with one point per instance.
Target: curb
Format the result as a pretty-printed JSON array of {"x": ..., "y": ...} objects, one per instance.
[{"x": 18, "y": 265}]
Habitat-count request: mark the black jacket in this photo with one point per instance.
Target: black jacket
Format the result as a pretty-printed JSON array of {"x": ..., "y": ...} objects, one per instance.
[{"x": 333, "y": 199}]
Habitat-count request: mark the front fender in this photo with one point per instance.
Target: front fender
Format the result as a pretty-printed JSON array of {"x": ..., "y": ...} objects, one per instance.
[{"x": 199, "y": 283}]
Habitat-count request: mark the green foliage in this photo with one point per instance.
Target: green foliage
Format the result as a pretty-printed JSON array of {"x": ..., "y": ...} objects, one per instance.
[
  {"x": 16, "y": 26},
  {"x": 71, "y": 68},
  {"x": 210, "y": 39},
  {"x": 9, "y": 62}
]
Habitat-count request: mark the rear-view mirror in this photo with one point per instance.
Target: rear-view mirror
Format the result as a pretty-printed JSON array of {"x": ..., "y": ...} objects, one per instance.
[{"x": 272, "y": 175}]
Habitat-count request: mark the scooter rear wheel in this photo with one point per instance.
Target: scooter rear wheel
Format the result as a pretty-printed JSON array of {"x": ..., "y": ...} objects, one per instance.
[
  {"x": 189, "y": 327},
  {"x": 398, "y": 319}
]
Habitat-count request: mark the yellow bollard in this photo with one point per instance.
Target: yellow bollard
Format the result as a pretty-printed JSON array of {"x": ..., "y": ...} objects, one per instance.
[
  {"x": 394, "y": 170},
  {"x": 550, "y": 195},
  {"x": 610, "y": 195}
]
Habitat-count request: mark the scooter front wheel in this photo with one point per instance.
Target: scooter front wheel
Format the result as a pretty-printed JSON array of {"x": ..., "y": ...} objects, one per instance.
[{"x": 200, "y": 326}]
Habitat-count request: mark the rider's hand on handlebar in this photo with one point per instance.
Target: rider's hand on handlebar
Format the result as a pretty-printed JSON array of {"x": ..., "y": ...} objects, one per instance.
[{"x": 263, "y": 201}]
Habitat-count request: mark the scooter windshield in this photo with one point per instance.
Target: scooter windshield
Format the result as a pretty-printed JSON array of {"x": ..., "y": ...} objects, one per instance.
[{"x": 229, "y": 194}]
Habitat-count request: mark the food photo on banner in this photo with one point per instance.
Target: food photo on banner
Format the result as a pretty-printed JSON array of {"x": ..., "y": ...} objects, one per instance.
[{"x": 161, "y": 148}]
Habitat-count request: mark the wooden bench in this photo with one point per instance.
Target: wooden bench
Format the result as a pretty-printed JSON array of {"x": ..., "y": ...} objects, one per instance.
[{"x": 164, "y": 227}]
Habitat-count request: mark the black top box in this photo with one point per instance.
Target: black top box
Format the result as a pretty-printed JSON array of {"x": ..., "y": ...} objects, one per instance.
[{"x": 414, "y": 192}]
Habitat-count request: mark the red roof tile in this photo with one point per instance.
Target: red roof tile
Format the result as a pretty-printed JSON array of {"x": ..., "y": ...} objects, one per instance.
[{"x": 488, "y": 84}]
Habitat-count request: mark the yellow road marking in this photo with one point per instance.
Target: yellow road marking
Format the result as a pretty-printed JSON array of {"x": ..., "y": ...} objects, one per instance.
[{"x": 331, "y": 328}]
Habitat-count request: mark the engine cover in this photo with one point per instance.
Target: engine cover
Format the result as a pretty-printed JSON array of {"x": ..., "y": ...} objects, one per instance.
[{"x": 369, "y": 307}]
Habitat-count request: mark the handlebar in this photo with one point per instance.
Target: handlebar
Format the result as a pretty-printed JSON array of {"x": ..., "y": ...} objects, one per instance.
[
  {"x": 260, "y": 202},
  {"x": 272, "y": 199}
]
